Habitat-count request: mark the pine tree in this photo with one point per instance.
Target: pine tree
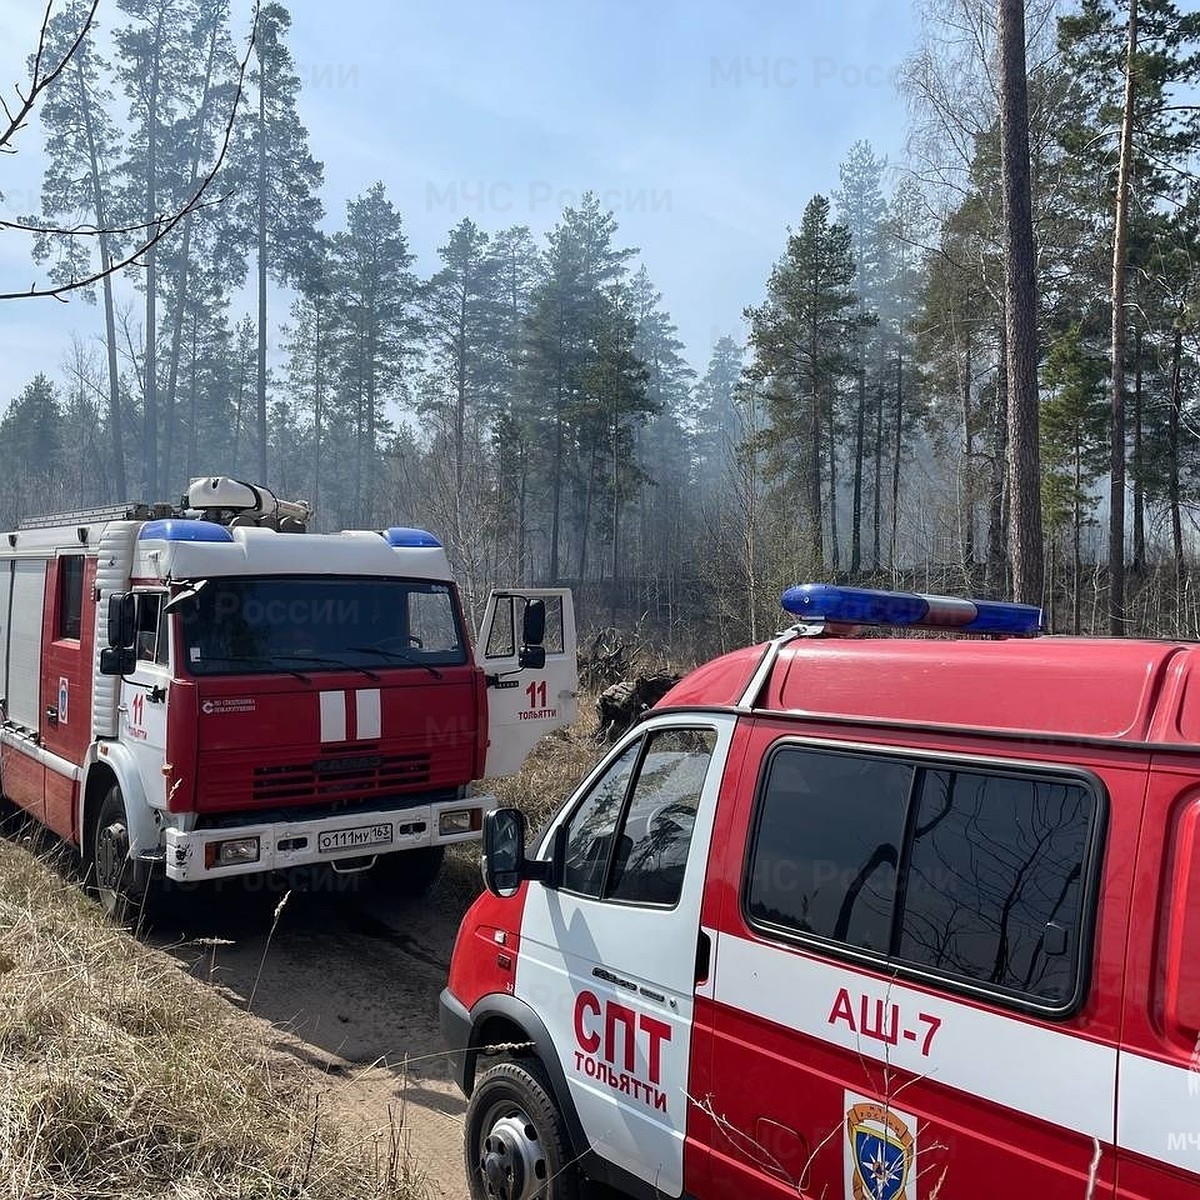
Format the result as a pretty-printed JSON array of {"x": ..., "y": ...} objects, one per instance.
[
  {"x": 82, "y": 144},
  {"x": 278, "y": 207},
  {"x": 153, "y": 66},
  {"x": 718, "y": 426},
  {"x": 374, "y": 294},
  {"x": 579, "y": 264},
  {"x": 863, "y": 211},
  {"x": 803, "y": 338},
  {"x": 1073, "y": 428}
]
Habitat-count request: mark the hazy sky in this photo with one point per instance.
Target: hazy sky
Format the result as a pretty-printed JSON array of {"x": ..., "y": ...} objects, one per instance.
[{"x": 706, "y": 126}]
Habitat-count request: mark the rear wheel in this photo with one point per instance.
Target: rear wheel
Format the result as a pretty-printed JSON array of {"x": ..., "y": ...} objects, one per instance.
[
  {"x": 516, "y": 1147},
  {"x": 408, "y": 872},
  {"x": 112, "y": 869}
]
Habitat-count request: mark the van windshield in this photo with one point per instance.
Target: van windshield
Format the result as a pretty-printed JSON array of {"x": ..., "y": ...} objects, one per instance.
[{"x": 310, "y": 623}]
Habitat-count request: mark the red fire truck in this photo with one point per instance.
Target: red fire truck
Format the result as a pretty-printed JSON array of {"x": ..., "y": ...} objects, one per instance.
[
  {"x": 206, "y": 689},
  {"x": 852, "y": 918}
]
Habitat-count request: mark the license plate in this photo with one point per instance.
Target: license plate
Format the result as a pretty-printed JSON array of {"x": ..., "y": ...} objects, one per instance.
[{"x": 355, "y": 838}]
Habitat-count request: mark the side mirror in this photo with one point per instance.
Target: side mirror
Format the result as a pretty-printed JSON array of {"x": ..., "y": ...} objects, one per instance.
[
  {"x": 533, "y": 623},
  {"x": 117, "y": 660},
  {"x": 532, "y": 656},
  {"x": 122, "y": 621},
  {"x": 503, "y": 850},
  {"x": 533, "y": 633}
]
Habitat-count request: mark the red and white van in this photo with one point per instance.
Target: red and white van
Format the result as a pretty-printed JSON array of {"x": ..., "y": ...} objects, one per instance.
[
  {"x": 206, "y": 689},
  {"x": 856, "y": 919}
]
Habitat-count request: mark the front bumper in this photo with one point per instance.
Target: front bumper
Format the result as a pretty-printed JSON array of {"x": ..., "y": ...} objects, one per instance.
[{"x": 327, "y": 839}]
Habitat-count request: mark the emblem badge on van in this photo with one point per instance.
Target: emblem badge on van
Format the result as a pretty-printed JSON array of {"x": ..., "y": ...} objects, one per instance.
[{"x": 881, "y": 1151}]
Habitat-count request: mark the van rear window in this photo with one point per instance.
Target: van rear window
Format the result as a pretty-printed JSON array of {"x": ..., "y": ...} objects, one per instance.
[{"x": 975, "y": 876}]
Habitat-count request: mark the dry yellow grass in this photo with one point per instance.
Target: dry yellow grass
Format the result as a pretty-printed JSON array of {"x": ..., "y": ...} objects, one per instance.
[{"x": 121, "y": 1077}]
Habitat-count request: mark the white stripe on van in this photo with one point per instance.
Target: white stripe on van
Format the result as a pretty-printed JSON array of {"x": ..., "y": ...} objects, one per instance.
[
  {"x": 333, "y": 716},
  {"x": 1019, "y": 1063},
  {"x": 1158, "y": 1111}
]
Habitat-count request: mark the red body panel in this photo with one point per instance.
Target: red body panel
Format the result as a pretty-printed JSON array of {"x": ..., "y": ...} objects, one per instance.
[
  {"x": 481, "y": 965},
  {"x": 257, "y": 739},
  {"x": 1162, "y": 978}
]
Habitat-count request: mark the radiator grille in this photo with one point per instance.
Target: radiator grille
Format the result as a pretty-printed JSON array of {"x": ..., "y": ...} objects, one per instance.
[{"x": 350, "y": 775}]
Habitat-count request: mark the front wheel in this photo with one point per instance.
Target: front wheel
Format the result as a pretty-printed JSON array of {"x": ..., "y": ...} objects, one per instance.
[
  {"x": 516, "y": 1147},
  {"x": 112, "y": 869}
]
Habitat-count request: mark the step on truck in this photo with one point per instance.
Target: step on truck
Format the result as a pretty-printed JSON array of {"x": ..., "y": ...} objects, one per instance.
[
  {"x": 206, "y": 689},
  {"x": 856, "y": 918}
]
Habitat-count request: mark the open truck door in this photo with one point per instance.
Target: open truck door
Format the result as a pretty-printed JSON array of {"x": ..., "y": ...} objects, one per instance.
[{"x": 527, "y": 648}]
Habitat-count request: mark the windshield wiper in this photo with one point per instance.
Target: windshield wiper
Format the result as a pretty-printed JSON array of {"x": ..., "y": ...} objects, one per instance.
[
  {"x": 329, "y": 662},
  {"x": 402, "y": 655},
  {"x": 263, "y": 661}
]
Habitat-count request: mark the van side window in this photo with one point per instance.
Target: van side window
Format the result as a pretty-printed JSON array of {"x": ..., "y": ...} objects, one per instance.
[
  {"x": 828, "y": 845},
  {"x": 976, "y": 876},
  {"x": 70, "y": 596},
  {"x": 994, "y": 886},
  {"x": 629, "y": 839}
]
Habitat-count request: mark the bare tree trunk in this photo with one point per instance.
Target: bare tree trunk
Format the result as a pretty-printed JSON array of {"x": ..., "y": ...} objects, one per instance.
[
  {"x": 1020, "y": 309},
  {"x": 110, "y": 325},
  {"x": 860, "y": 433},
  {"x": 261, "y": 386},
  {"x": 995, "y": 581},
  {"x": 1076, "y": 537},
  {"x": 318, "y": 397},
  {"x": 181, "y": 282},
  {"x": 1174, "y": 419},
  {"x": 1139, "y": 490},
  {"x": 878, "y": 475},
  {"x": 1116, "y": 516},
  {"x": 968, "y": 475},
  {"x": 897, "y": 446},
  {"x": 817, "y": 534},
  {"x": 835, "y": 554},
  {"x": 150, "y": 367}
]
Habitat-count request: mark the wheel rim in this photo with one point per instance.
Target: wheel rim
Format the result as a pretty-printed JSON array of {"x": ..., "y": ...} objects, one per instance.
[
  {"x": 112, "y": 855},
  {"x": 512, "y": 1159}
]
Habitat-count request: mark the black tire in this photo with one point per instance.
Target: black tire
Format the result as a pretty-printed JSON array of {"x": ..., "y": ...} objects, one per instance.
[
  {"x": 408, "y": 872},
  {"x": 113, "y": 875},
  {"x": 516, "y": 1147}
]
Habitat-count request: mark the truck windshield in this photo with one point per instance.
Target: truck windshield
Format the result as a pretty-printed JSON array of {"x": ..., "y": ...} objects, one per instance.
[{"x": 313, "y": 623}]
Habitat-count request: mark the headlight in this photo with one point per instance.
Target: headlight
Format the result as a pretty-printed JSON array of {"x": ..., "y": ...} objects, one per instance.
[
  {"x": 226, "y": 854},
  {"x": 458, "y": 821}
]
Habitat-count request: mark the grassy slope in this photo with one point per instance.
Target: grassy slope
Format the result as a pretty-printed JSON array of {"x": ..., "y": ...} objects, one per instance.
[{"x": 122, "y": 1077}]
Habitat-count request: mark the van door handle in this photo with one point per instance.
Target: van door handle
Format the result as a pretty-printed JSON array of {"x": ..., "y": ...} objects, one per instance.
[
  {"x": 703, "y": 957},
  {"x": 156, "y": 695},
  {"x": 52, "y": 715}
]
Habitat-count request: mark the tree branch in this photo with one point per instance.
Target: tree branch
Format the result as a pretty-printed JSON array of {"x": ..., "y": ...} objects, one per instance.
[
  {"x": 164, "y": 225},
  {"x": 39, "y": 83}
]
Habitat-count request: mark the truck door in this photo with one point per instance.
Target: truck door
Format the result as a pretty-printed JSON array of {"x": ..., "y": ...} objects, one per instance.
[
  {"x": 144, "y": 694},
  {"x": 526, "y": 702},
  {"x": 609, "y": 959},
  {"x": 66, "y": 708}
]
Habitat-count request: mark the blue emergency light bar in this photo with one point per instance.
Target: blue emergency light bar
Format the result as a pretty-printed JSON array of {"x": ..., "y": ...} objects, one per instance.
[{"x": 864, "y": 606}]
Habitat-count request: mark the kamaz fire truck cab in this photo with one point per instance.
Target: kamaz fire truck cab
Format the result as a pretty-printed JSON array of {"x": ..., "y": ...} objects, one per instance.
[
  {"x": 209, "y": 690},
  {"x": 856, "y": 918}
]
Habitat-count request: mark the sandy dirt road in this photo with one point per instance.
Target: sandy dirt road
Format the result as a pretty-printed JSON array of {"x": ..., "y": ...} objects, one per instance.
[{"x": 354, "y": 981}]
